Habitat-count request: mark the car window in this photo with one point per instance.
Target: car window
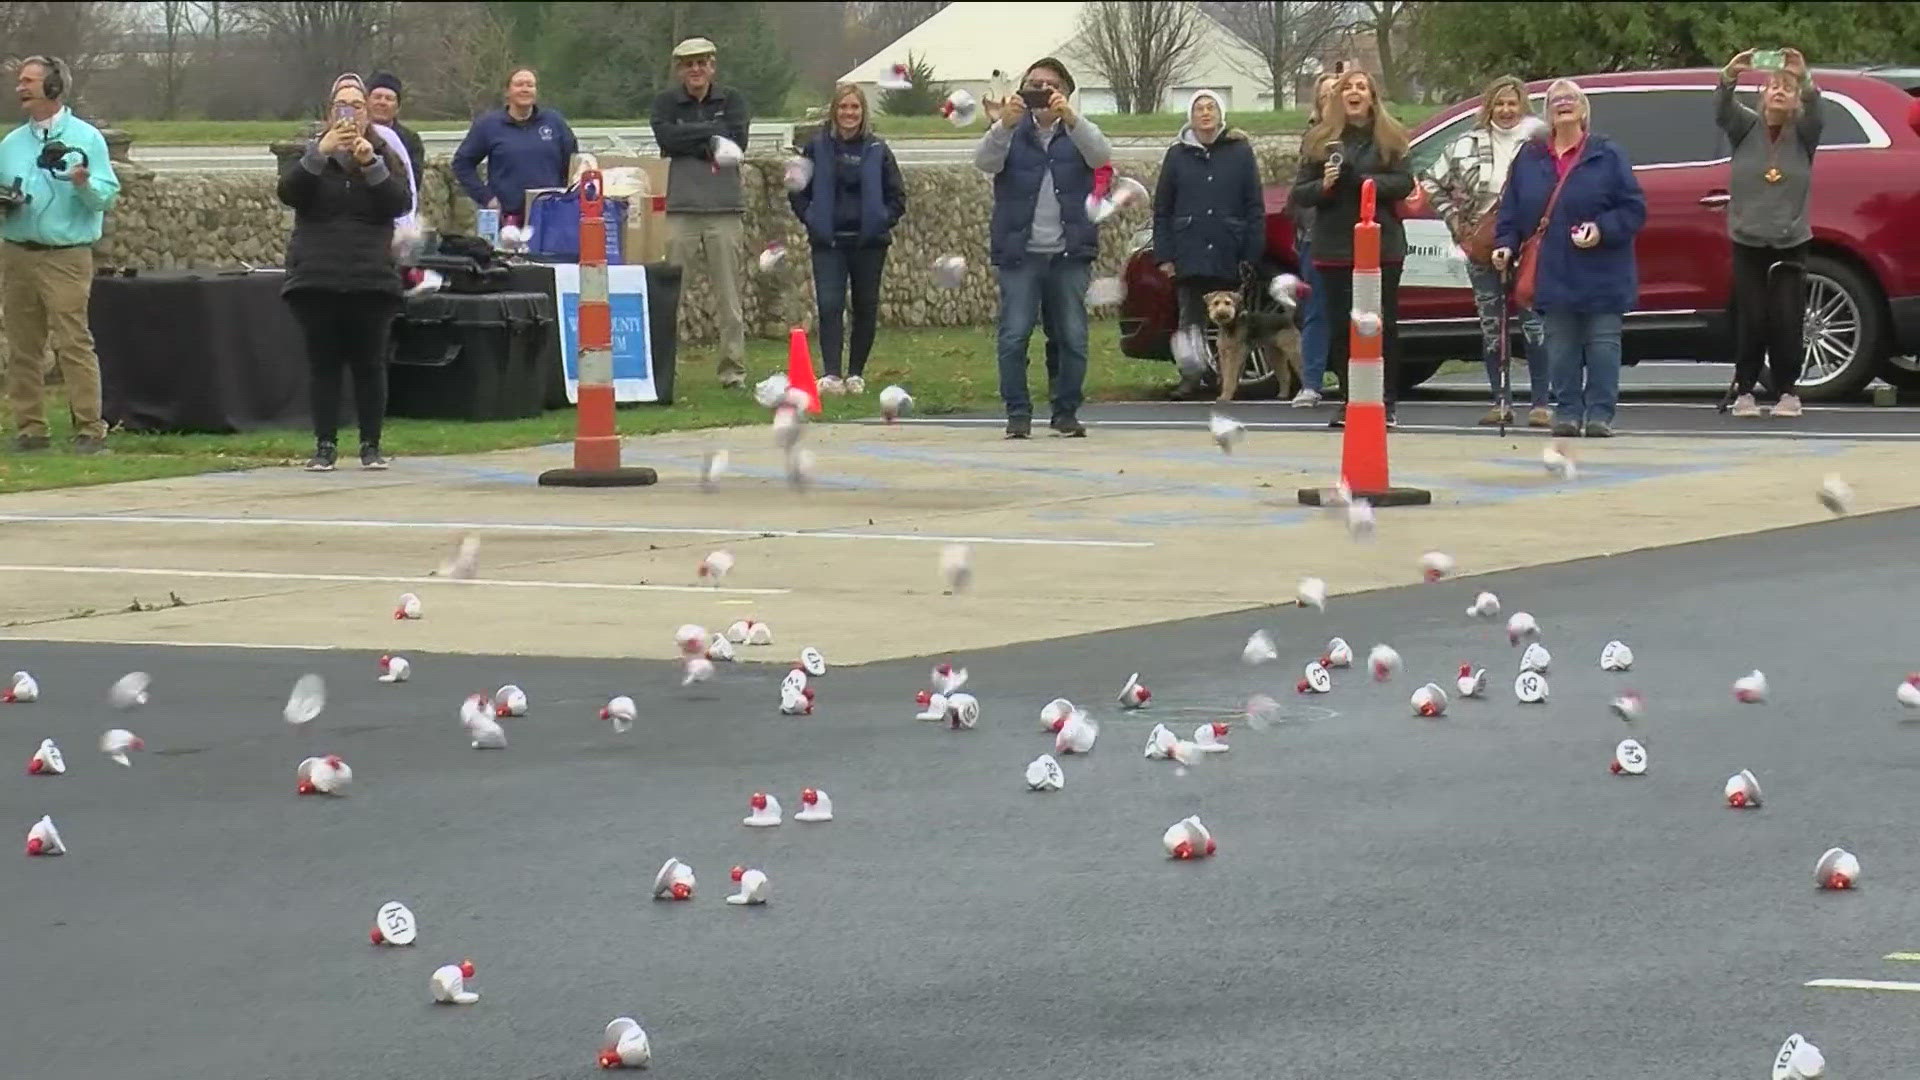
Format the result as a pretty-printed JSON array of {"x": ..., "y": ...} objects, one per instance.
[
  {"x": 1425, "y": 152},
  {"x": 1660, "y": 127},
  {"x": 1839, "y": 128}
]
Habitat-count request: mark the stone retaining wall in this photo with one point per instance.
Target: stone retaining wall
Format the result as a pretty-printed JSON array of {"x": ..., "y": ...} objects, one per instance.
[{"x": 221, "y": 220}]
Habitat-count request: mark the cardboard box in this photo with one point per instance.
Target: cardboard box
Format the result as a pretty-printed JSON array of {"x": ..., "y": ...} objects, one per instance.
[{"x": 646, "y": 236}]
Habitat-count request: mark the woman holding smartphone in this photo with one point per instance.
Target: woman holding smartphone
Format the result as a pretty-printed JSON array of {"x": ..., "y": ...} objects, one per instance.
[
  {"x": 1356, "y": 140},
  {"x": 342, "y": 283}
]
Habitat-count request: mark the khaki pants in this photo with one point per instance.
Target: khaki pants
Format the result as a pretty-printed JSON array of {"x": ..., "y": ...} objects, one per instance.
[
  {"x": 713, "y": 241},
  {"x": 45, "y": 298}
]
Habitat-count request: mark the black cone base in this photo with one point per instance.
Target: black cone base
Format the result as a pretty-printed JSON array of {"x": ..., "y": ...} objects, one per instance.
[
  {"x": 637, "y": 477},
  {"x": 1395, "y": 496}
]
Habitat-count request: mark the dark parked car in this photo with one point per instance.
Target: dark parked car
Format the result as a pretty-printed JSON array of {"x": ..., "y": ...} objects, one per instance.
[{"x": 1863, "y": 302}]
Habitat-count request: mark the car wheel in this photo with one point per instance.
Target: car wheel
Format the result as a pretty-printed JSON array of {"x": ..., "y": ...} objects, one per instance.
[
  {"x": 1843, "y": 333},
  {"x": 1902, "y": 372}
]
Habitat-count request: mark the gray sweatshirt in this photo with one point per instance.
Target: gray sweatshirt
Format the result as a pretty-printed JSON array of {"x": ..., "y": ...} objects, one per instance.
[
  {"x": 1763, "y": 214},
  {"x": 990, "y": 156}
]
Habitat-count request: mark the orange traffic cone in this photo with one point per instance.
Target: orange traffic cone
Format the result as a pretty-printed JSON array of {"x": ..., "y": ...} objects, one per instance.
[
  {"x": 800, "y": 368},
  {"x": 1363, "y": 451}
]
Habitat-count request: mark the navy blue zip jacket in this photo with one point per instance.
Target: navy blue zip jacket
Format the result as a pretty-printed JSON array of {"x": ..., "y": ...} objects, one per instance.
[
  {"x": 520, "y": 154},
  {"x": 1601, "y": 188},
  {"x": 857, "y": 195}
]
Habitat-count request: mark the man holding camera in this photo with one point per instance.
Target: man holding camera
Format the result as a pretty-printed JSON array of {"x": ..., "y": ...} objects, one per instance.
[
  {"x": 1042, "y": 156},
  {"x": 59, "y": 184}
]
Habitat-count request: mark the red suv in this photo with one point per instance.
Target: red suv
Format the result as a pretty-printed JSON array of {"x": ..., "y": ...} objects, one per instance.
[{"x": 1863, "y": 270}]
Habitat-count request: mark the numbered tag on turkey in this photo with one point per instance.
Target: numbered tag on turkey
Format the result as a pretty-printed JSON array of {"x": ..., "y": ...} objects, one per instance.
[
  {"x": 1319, "y": 680},
  {"x": 1631, "y": 757},
  {"x": 811, "y": 660},
  {"x": 796, "y": 680},
  {"x": 396, "y": 923},
  {"x": 1616, "y": 657},
  {"x": 1798, "y": 1059},
  {"x": 1530, "y": 687}
]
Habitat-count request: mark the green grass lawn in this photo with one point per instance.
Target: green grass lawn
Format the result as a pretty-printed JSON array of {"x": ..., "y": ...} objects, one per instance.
[
  {"x": 947, "y": 371},
  {"x": 244, "y": 132}
]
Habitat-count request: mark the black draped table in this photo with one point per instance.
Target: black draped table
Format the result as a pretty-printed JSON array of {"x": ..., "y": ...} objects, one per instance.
[{"x": 220, "y": 352}]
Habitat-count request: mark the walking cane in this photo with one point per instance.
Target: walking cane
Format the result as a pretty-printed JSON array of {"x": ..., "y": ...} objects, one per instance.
[{"x": 1506, "y": 350}]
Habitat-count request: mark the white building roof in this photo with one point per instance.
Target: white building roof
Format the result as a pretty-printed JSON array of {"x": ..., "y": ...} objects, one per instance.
[{"x": 967, "y": 41}]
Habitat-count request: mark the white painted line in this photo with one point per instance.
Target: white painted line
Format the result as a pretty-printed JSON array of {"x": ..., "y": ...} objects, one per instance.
[
  {"x": 268, "y": 575},
  {"x": 173, "y": 644},
  {"x": 544, "y": 527},
  {"x": 1321, "y": 425},
  {"x": 1863, "y": 984}
]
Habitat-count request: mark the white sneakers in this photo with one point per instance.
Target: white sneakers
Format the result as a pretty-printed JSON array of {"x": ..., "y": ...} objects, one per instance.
[
  {"x": 1307, "y": 398},
  {"x": 833, "y": 384},
  {"x": 1788, "y": 406}
]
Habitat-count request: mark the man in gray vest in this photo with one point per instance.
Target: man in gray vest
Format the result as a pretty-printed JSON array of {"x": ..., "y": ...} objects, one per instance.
[
  {"x": 705, "y": 203},
  {"x": 1042, "y": 156}
]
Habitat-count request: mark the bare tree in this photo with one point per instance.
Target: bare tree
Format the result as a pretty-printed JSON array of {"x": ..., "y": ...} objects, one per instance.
[
  {"x": 173, "y": 38},
  {"x": 887, "y": 22},
  {"x": 1284, "y": 33},
  {"x": 1141, "y": 49},
  {"x": 80, "y": 32},
  {"x": 1386, "y": 18},
  {"x": 315, "y": 40},
  {"x": 459, "y": 53}
]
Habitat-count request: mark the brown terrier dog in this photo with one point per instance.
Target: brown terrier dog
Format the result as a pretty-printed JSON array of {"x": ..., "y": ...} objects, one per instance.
[{"x": 1241, "y": 328}]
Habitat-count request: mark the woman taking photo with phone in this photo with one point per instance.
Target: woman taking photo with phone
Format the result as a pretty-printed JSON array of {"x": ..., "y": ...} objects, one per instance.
[
  {"x": 342, "y": 283},
  {"x": 1772, "y": 178},
  {"x": 1356, "y": 140},
  {"x": 849, "y": 207}
]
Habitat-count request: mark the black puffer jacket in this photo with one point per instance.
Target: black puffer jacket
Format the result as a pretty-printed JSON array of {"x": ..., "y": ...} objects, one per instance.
[
  {"x": 1336, "y": 211},
  {"x": 1208, "y": 213},
  {"x": 343, "y": 223}
]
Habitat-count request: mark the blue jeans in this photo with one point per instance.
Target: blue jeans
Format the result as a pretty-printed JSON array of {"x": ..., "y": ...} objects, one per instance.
[
  {"x": 1583, "y": 351},
  {"x": 1313, "y": 324},
  {"x": 1486, "y": 301},
  {"x": 1050, "y": 289}
]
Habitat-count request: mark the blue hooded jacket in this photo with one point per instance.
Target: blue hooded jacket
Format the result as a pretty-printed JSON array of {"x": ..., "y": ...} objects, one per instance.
[
  {"x": 1601, "y": 188},
  {"x": 520, "y": 154}
]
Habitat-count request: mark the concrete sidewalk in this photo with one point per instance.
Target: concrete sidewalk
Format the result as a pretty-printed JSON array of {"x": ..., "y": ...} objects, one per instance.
[{"x": 1128, "y": 527}]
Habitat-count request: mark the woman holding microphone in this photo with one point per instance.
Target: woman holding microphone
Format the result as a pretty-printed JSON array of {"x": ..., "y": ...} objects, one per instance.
[{"x": 1354, "y": 142}]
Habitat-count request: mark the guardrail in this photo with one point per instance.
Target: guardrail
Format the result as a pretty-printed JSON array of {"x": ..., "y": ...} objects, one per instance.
[{"x": 637, "y": 139}]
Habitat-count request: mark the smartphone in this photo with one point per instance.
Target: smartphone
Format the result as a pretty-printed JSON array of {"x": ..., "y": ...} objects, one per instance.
[
  {"x": 1334, "y": 157},
  {"x": 1036, "y": 100},
  {"x": 1770, "y": 59},
  {"x": 343, "y": 115}
]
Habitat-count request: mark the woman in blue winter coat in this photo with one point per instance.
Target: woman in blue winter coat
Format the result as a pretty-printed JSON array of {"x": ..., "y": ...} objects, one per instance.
[
  {"x": 1209, "y": 219},
  {"x": 1578, "y": 190},
  {"x": 850, "y": 207}
]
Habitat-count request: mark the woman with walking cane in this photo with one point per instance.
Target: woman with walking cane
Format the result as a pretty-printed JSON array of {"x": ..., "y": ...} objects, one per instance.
[{"x": 1772, "y": 171}]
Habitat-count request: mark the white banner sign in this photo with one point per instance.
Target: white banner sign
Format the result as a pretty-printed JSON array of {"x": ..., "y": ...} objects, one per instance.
[
  {"x": 1430, "y": 264},
  {"x": 632, "y": 330}
]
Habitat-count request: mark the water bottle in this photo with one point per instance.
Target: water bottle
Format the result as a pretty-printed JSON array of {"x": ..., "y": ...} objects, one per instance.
[{"x": 487, "y": 223}]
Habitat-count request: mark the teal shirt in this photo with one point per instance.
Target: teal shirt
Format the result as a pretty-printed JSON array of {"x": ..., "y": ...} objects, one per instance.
[{"x": 62, "y": 213}]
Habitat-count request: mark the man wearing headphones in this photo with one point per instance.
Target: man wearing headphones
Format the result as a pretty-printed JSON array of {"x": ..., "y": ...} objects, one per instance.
[{"x": 58, "y": 184}]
